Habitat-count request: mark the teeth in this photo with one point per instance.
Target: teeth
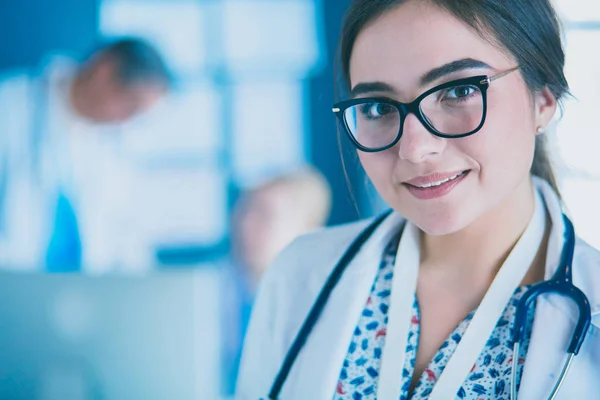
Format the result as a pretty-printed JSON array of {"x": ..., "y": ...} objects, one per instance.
[{"x": 440, "y": 182}]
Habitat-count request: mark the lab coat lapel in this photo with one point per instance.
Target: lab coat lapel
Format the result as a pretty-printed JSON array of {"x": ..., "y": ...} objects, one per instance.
[
  {"x": 315, "y": 376},
  {"x": 552, "y": 326},
  {"x": 547, "y": 350}
]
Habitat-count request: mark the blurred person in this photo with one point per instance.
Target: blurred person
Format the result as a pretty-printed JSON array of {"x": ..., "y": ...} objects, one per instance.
[
  {"x": 270, "y": 216},
  {"x": 64, "y": 181},
  {"x": 265, "y": 220}
]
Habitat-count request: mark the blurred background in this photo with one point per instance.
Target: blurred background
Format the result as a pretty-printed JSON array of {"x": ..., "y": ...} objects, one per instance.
[{"x": 131, "y": 243}]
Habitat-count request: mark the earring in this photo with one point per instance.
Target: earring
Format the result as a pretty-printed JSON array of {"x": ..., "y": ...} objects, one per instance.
[{"x": 541, "y": 130}]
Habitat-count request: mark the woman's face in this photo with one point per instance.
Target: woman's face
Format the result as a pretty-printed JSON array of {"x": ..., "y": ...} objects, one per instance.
[{"x": 395, "y": 52}]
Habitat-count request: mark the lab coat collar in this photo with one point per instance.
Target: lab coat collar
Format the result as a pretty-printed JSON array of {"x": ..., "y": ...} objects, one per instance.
[
  {"x": 548, "y": 347},
  {"x": 334, "y": 331},
  {"x": 57, "y": 68},
  {"x": 591, "y": 287},
  {"x": 556, "y": 239}
]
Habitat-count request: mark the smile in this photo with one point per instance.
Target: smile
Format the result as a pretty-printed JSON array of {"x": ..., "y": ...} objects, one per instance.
[
  {"x": 438, "y": 183},
  {"x": 435, "y": 186}
]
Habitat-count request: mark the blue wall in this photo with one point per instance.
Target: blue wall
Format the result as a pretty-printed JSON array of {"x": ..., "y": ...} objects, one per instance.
[
  {"x": 30, "y": 28},
  {"x": 324, "y": 150}
]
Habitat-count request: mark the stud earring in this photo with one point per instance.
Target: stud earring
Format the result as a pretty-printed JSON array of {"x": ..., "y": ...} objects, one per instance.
[{"x": 541, "y": 130}]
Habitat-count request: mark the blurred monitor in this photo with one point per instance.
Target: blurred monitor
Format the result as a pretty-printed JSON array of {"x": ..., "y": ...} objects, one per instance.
[{"x": 77, "y": 337}]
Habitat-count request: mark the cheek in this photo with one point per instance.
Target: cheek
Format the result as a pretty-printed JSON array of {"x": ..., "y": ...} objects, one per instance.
[
  {"x": 380, "y": 169},
  {"x": 504, "y": 148},
  {"x": 120, "y": 109},
  {"x": 384, "y": 169}
]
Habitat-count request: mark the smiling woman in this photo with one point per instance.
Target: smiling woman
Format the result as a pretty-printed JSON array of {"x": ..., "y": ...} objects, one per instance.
[
  {"x": 448, "y": 102},
  {"x": 405, "y": 73}
]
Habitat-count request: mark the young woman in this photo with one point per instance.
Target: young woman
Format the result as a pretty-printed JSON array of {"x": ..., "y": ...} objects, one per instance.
[{"x": 449, "y": 101}]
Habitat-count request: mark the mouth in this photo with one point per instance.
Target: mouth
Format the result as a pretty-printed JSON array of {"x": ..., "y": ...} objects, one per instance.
[{"x": 436, "y": 185}]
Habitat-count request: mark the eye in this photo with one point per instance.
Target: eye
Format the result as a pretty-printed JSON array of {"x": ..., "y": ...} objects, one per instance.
[
  {"x": 376, "y": 110},
  {"x": 460, "y": 92}
]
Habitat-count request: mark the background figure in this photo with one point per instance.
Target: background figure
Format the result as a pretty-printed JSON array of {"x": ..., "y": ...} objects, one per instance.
[
  {"x": 269, "y": 217},
  {"x": 64, "y": 182},
  {"x": 265, "y": 220}
]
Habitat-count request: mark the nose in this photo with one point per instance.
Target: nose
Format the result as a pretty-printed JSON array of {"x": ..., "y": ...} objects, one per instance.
[{"x": 417, "y": 144}]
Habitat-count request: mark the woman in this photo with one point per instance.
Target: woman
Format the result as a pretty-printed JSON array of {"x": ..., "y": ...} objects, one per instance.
[{"x": 449, "y": 103}]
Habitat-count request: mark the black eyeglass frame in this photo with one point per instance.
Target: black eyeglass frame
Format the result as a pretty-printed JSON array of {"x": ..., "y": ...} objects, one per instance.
[{"x": 482, "y": 82}]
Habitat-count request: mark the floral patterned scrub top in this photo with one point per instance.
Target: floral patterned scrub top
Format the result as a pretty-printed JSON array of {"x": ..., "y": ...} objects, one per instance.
[{"x": 489, "y": 378}]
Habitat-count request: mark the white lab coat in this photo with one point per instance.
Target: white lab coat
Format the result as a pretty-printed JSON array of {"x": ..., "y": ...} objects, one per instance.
[
  {"x": 291, "y": 286},
  {"x": 75, "y": 157}
]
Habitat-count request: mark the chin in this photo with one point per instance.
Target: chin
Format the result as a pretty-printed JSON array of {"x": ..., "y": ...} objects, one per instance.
[
  {"x": 440, "y": 223},
  {"x": 438, "y": 217}
]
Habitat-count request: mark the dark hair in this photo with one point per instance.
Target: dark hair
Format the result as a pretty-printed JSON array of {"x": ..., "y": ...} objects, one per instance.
[
  {"x": 137, "y": 62},
  {"x": 528, "y": 29}
]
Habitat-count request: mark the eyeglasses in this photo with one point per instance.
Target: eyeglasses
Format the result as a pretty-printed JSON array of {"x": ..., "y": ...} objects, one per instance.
[{"x": 452, "y": 110}]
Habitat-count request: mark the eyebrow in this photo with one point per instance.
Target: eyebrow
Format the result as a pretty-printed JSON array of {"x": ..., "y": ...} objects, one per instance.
[
  {"x": 370, "y": 87},
  {"x": 450, "y": 68},
  {"x": 426, "y": 79}
]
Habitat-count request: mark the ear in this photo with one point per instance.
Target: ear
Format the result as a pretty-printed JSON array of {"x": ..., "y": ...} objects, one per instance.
[{"x": 545, "y": 107}]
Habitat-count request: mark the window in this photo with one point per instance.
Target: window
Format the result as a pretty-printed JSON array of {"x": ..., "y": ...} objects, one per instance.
[
  {"x": 238, "y": 114},
  {"x": 578, "y": 132}
]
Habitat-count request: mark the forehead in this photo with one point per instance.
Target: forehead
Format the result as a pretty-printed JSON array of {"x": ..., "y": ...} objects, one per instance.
[{"x": 408, "y": 41}]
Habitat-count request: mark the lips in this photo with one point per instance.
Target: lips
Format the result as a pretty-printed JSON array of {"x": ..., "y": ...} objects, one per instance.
[
  {"x": 436, "y": 179},
  {"x": 435, "y": 185}
]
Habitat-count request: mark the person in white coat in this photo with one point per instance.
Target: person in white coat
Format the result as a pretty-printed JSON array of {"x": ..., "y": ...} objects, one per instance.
[
  {"x": 64, "y": 182},
  {"x": 474, "y": 286}
]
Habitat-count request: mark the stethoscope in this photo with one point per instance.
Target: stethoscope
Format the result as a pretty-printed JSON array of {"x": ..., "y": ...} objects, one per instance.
[{"x": 560, "y": 283}]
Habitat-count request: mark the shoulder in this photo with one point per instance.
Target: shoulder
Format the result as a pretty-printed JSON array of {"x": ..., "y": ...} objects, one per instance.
[
  {"x": 15, "y": 96},
  {"x": 292, "y": 283},
  {"x": 586, "y": 261},
  {"x": 286, "y": 293},
  {"x": 16, "y": 104},
  {"x": 13, "y": 83},
  {"x": 315, "y": 253},
  {"x": 587, "y": 253},
  {"x": 586, "y": 274}
]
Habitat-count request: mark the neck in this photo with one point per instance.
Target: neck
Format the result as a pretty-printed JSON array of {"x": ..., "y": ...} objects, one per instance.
[{"x": 477, "y": 252}]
